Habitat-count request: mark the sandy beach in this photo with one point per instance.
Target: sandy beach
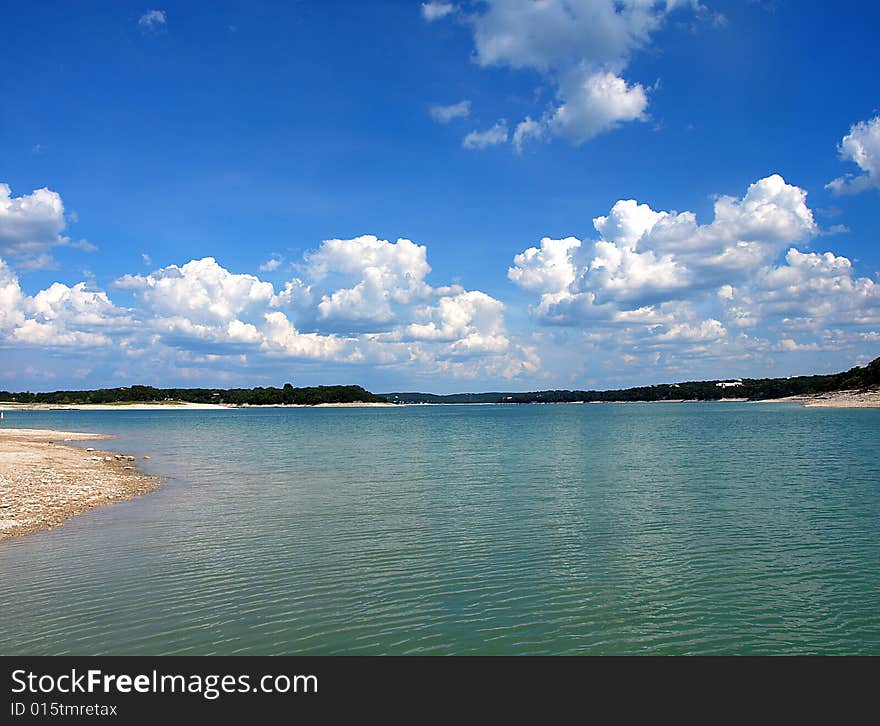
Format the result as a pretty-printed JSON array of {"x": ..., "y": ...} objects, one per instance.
[
  {"x": 44, "y": 482},
  {"x": 836, "y": 399},
  {"x": 169, "y": 406},
  {"x": 172, "y": 406}
]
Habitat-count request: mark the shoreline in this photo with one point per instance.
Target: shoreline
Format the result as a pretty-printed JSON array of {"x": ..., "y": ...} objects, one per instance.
[
  {"x": 834, "y": 399},
  {"x": 175, "y": 406},
  {"x": 181, "y": 406},
  {"x": 44, "y": 482}
]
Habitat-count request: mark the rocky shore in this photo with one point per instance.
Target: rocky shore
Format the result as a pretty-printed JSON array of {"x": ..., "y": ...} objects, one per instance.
[
  {"x": 835, "y": 399},
  {"x": 43, "y": 481}
]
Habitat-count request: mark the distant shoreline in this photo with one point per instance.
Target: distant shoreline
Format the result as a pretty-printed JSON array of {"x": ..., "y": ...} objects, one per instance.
[
  {"x": 173, "y": 406},
  {"x": 44, "y": 482},
  {"x": 836, "y": 399},
  {"x": 855, "y": 388}
]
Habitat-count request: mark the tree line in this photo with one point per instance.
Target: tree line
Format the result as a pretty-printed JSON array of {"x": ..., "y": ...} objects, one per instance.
[
  {"x": 288, "y": 394},
  {"x": 858, "y": 378}
]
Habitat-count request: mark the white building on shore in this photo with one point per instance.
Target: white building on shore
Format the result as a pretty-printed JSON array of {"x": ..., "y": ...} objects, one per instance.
[{"x": 729, "y": 384}]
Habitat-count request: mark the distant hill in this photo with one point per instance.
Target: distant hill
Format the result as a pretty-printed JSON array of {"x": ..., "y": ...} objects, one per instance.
[
  {"x": 751, "y": 388},
  {"x": 236, "y": 396}
]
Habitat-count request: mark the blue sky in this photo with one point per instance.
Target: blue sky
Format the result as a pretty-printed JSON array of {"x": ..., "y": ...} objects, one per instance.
[{"x": 295, "y": 144}]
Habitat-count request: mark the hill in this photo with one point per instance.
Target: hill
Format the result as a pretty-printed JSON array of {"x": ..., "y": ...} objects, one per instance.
[{"x": 858, "y": 378}]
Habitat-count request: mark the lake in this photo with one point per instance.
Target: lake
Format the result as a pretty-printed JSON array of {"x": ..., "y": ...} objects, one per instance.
[{"x": 698, "y": 528}]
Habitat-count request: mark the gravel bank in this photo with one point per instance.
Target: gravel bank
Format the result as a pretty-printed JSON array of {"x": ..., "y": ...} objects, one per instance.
[{"x": 44, "y": 482}]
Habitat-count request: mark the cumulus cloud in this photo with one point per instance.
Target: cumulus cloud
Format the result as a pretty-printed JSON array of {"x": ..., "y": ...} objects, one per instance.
[
  {"x": 493, "y": 136},
  {"x": 57, "y": 316},
  {"x": 371, "y": 277},
  {"x": 861, "y": 146},
  {"x": 357, "y": 301},
  {"x": 656, "y": 278},
  {"x": 202, "y": 305},
  {"x": 548, "y": 269},
  {"x": 378, "y": 290},
  {"x": 281, "y": 337},
  {"x": 445, "y": 114},
  {"x": 595, "y": 104},
  {"x": 649, "y": 287},
  {"x": 810, "y": 291},
  {"x": 31, "y": 225},
  {"x": 11, "y": 298},
  {"x": 436, "y": 10},
  {"x": 582, "y": 48},
  {"x": 201, "y": 291},
  {"x": 152, "y": 20},
  {"x": 643, "y": 256},
  {"x": 472, "y": 321}
]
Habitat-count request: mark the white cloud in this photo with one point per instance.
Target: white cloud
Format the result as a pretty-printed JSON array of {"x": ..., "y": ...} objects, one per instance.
[
  {"x": 359, "y": 301},
  {"x": 296, "y": 294},
  {"x": 152, "y": 19},
  {"x": 581, "y": 47},
  {"x": 57, "y": 316},
  {"x": 706, "y": 330},
  {"x": 436, "y": 10},
  {"x": 559, "y": 34},
  {"x": 281, "y": 337},
  {"x": 272, "y": 264},
  {"x": 726, "y": 292},
  {"x": 201, "y": 290},
  {"x": 471, "y": 321},
  {"x": 650, "y": 288},
  {"x": 861, "y": 146},
  {"x": 549, "y": 269},
  {"x": 658, "y": 280},
  {"x": 32, "y": 224},
  {"x": 42, "y": 261},
  {"x": 74, "y": 306},
  {"x": 811, "y": 291},
  {"x": 445, "y": 114},
  {"x": 745, "y": 233},
  {"x": 146, "y": 259},
  {"x": 497, "y": 134},
  {"x": 525, "y": 130},
  {"x": 44, "y": 335},
  {"x": 11, "y": 299},
  {"x": 595, "y": 104},
  {"x": 658, "y": 291},
  {"x": 622, "y": 275},
  {"x": 202, "y": 303},
  {"x": 371, "y": 277},
  {"x": 627, "y": 222},
  {"x": 524, "y": 360},
  {"x": 201, "y": 314},
  {"x": 644, "y": 256}
]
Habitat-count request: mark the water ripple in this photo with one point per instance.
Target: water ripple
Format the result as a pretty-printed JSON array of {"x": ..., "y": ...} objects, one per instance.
[{"x": 679, "y": 529}]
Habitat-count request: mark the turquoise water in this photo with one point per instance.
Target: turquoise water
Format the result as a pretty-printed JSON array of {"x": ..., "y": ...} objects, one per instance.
[{"x": 580, "y": 529}]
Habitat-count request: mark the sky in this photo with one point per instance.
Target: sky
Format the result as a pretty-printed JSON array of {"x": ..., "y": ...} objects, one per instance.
[{"x": 441, "y": 196}]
